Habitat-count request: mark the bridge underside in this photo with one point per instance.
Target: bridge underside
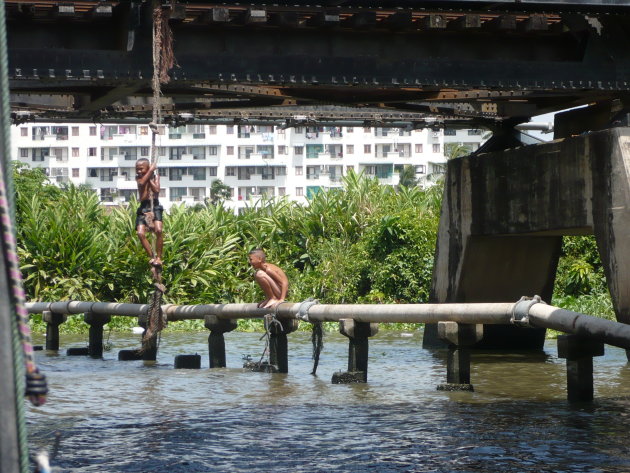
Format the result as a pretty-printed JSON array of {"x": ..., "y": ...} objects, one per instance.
[{"x": 464, "y": 62}]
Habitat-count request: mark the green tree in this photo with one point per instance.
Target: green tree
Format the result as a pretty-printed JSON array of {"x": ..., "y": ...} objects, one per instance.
[
  {"x": 456, "y": 150},
  {"x": 407, "y": 176},
  {"x": 219, "y": 192}
]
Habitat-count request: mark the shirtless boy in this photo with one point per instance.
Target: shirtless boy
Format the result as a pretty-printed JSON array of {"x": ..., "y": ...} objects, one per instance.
[
  {"x": 149, "y": 184},
  {"x": 270, "y": 278}
]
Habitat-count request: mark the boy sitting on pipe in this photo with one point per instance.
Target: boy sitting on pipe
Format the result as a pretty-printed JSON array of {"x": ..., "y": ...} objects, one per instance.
[{"x": 270, "y": 278}]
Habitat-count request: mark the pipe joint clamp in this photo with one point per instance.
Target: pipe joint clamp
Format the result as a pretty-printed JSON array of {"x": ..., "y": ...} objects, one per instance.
[
  {"x": 520, "y": 312},
  {"x": 304, "y": 307}
]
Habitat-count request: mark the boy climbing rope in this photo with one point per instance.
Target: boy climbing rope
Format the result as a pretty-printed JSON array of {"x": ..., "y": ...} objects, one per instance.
[
  {"x": 149, "y": 214},
  {"x": 270, "y": 278}
]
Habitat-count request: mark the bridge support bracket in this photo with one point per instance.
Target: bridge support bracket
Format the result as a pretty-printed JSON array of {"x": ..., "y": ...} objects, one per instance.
[
  {"x": 460, "y": 338},
  {"x": 53, "y": 321},
  {"x": 279, "y": 345},
  {"x": 358, "y": 334},
  {"x": 96, "y": 323},
  {"x": 579, "y": 353},
  {"x": 216, "y": 341}
]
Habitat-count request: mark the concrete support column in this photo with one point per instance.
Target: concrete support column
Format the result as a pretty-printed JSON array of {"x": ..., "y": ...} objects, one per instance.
[
  {"x": 53, "y": 321},
  {"x": 358, "y": 334},
  {"x": 216, "y": 340},
  {"x": 96, "y": 323},
  {"x": 278, "y": 343},
  {"x": 579, "y": 353},
  {"x": 460, "y": 338}
]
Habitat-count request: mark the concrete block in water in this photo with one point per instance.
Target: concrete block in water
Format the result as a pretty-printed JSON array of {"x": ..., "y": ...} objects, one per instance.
[
  {"x": 188, "y": 362},
  {"x": 455, "y": 387},
  {"x": 129, "y": 355},
  {"x": 77, "y": 351},
  {"x": 260, "y": 367},
  {"x": 348, "y": 377}
]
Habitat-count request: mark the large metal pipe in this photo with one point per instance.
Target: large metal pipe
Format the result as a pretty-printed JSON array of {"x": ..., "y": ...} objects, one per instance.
[{"x": 537, "y": 314}]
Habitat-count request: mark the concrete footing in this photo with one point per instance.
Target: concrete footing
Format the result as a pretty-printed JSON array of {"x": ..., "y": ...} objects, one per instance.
[
  {"x": 78, "y": 351},
  {"x": 188, "y": 361},
  {"x": 216, "y": 340},
  {"x": 358, "y": 334},
  {"x": 579, "y": 353},
  {"x": 96, "y": 323},
  {"x": 53, "y": 321},
  {"x": 460, "y": 338},
  {"x": 129, "y": 355}
]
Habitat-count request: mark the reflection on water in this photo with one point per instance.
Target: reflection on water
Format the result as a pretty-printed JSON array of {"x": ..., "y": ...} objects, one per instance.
[{"x": 127, "y": 417}]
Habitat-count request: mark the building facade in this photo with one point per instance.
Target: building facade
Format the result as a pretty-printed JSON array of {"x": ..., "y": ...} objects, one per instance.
[{"x": 254, "y": 161}]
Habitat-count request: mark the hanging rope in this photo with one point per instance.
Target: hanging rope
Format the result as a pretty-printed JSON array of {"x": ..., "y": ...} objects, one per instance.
[
  {"x": 317, "y": 339},
  {"x": 163, "y": 62}
]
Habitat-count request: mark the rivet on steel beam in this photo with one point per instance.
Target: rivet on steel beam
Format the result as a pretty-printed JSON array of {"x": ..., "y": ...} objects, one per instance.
[
  {"x": 51, "y": 73},
  {"x": 86, "y": 74},
  {"x": 292, "y": 79},
  {"x": 99, "y": 73},
  {"x": 18, "y": 72},
  {"x": 233, "y": 77},
  {"x": 35, "y": 74}
]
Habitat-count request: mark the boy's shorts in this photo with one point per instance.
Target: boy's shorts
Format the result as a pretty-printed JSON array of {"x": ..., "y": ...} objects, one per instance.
[{"x": 145, "y": 206}]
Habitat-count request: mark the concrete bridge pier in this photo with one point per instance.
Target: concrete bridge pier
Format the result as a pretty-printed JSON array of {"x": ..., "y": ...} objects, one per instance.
[
  {"x": 53, "y": 321},
  {"x": 504, "y": 214},
  {"x": 579, "y": 353},
  {"x": 279, "y": 345},
  {"x": 460, "y": 337},
  {"x": 358, "y": 334},
  {"x": 216, "y": 340},
  {"x": 96, "y": 323}
]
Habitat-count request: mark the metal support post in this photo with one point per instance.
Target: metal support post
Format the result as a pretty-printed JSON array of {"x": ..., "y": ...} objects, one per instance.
[
  {"x": 53, "y": 321},
  {"x": 278, "y": 343},
  {"x": 358, "y": 334},
  {"x": 579, "y": 353},
  {"x": 216, "y": 340},
  {"x": 96, "y": 323},
  {"x": 460, "y": 338}
]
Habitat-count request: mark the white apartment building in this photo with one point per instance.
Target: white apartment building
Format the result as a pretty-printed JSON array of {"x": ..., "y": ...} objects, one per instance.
[{"x": 252, "y": 160}]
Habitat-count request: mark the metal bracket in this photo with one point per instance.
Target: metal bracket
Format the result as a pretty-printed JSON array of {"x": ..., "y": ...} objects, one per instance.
[
  {"x": 520, "y": 312},
  {"x": 304, "y": 307}
]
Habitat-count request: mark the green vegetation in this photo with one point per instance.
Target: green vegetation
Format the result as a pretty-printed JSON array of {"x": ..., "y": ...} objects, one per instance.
[{"x": 365, "y": 243}]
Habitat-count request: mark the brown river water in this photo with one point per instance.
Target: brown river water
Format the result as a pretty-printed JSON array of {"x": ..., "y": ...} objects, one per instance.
[{"x": 129, "y": 416}]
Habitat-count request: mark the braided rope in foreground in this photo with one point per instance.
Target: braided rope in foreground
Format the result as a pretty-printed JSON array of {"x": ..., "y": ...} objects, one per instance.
[{"x": 35, "y": 382}]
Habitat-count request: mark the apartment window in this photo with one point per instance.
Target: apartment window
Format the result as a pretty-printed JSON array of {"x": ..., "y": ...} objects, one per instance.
[
  {"x": 350, "y": 149},
  {"x": 75, "y": 152},
  {"x": 229, "y": 129},
  {"x": 198, "y": 174},
  {"x": 212, "y": 171},
  {"x": 349, "y": 168},
  {"x": 367, "y": 149},
  {"x": 436, "y": 147},
  {"x": 23, "y": 131},
  {"x": 299, "y": 171},
  {"x": 177, "y": 193},
  {"x": 75, "y": 172},
  {"x": 421, "y": 169},
  {"x": 144, "y": 151},
  {"x": 474, "y": 132},
  {"x": 144, "y": 130},
  {"x": 175, "y": 152},
  {"x": 299, "y": 130},
  {"x": 163, "y": 172},
  {"x": 91, "y": 151},
  {"x": 230, "y": 151},
  {"x": 298, "y": 150},
  {"x": 175, "y": 174},
  {"x": 230, "y": 171},
  {"x": 92, "y": 131},
  {"x": 198, "y": 152},
  {"x": 367, "y": 129},
  {"x": 450, "y": 131},
  {"x": 75, "y": 131},
  {"x": 349, "y": 129},
  {"x": 282, "y": 191},
  {"x": 212, "y": 129},
  {"x": 418, "y": 148},
  {"x": 299, "y": 191},
  {"x": 282, "y": 150},
  {"x": 213, "y": 150}
]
